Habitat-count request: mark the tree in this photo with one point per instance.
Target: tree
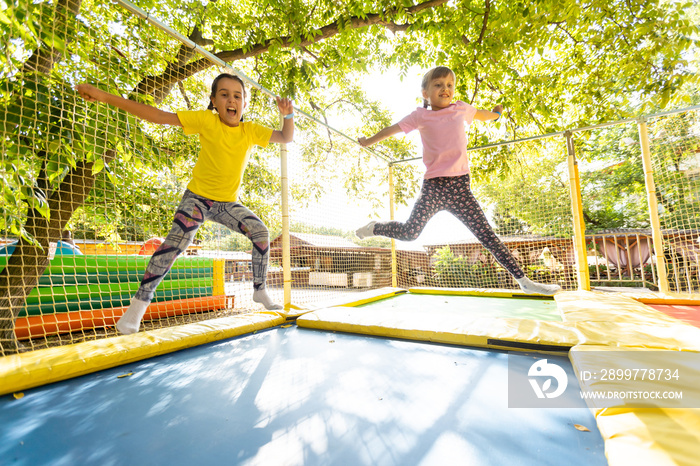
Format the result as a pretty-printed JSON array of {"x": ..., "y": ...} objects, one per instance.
[{"x": 550, "y": 63}]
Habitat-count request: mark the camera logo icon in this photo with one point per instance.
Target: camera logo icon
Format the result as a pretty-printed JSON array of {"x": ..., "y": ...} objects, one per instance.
[{"x": 545, "y": 372}]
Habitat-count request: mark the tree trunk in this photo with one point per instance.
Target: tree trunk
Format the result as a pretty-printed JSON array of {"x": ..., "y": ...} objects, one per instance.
[
  {"x": 28, "y": 261},
  {"x": 43, "y": 58}
]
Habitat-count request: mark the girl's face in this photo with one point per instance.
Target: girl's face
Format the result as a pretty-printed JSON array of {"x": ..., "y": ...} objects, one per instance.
[
  {"x": 229, "y": 101},
  {"x": 440, "y": 92}
]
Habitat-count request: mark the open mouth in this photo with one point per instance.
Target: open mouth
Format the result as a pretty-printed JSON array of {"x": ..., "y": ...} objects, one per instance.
[{"x": 230, "y": 111}]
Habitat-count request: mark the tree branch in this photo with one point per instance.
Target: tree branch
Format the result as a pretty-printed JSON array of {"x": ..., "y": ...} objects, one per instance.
[
  {"x": 576, "y": 42},
  {"x": 477, "y": 81},
  {"x": 487, "y": 10},
  {"x": 159, "y": 86},
  {"x": 43, "y": 59}
]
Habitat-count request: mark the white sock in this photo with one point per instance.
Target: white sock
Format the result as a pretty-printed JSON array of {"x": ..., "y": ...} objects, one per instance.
[
  {"x": 366, "y": 231},
  {"x": 261, "y": 296},
  {"x": 131, "y": 320},
  {"x": 530, "y": 287}
]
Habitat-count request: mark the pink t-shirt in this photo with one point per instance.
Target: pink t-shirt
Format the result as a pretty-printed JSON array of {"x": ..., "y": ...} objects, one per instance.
[{"x": 444, "y": 137}]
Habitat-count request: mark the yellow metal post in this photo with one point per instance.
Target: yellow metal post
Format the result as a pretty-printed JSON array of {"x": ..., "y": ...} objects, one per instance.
[
  {"x": 286, "y": 256},
  {"x": 582, "y": 274},
  {"x": 218, "y": 277},
  {"x": 394, "y": 279},
  {"x": 656, "y": 235}
]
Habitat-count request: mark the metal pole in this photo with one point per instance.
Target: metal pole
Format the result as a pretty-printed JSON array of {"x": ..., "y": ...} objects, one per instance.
[
  {"x": 657, "y": 237},
  {"x": 582, "y": 273},
  {"x": 394, "y": 278},
  {"x": 286, "y": 250}
]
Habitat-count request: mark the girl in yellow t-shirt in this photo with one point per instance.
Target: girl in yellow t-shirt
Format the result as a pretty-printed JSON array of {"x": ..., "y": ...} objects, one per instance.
[{"x": 212, "y": 194}]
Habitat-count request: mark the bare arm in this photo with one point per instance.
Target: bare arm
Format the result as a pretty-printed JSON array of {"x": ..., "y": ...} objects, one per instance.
[
  {"x": 139, "y": 110},
  {"x": 286, "y": 135},
  {"x": 485, "y": 115},
  {"x": 380, "y": 136}
]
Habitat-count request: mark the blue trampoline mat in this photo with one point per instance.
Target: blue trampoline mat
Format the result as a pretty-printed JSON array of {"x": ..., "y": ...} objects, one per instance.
[{"x": 297, "y": 397}]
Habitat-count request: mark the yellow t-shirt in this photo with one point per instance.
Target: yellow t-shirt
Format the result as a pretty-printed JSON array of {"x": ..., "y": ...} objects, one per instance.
[{"x": 218, "y": 173}]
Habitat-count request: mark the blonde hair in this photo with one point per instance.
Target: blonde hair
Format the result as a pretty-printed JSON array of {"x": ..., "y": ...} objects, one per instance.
[{"x": 436, "y": 73}]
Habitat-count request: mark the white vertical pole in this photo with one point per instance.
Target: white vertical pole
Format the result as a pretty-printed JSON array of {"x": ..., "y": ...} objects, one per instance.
[
  {"x": 286, "y": 255},
  {"x": 394, "y": 268}
]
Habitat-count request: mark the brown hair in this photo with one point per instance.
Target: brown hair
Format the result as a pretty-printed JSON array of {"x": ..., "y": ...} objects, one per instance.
[{"x": 435, "y": 73}]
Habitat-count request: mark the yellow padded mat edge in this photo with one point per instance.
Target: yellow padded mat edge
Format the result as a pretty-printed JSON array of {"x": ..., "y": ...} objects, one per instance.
[
  {"x": 641, "y": 436},
  {"x": 27, "y": 370}
]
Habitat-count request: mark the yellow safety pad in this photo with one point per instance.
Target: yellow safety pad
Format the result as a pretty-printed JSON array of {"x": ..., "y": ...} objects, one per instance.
[
  {"x": 650, "y": 437},
  {"x": 614, "y": 320},
  {"x": 673, "y": 371},
  {"x": 662, "y": 298},
  {"x": 642, "y": 436},
  {"x": 357, "y": 299},
  {"x": 590, "y": 318},
  {"x": 293, "y": 312},
  {"x": 35, "y": 368},
  {"x": 453, "y": 326},
  {"x": 492, "y": 292}
]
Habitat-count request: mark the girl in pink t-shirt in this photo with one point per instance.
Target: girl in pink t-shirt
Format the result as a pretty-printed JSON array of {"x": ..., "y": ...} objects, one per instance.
[{"x": 446, "y": 181}]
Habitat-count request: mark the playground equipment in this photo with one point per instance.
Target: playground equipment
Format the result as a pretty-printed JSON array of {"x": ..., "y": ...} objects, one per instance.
[{"x": 81, "y": 292}]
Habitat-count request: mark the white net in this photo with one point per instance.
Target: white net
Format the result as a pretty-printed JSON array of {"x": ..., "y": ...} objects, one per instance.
[
  {"x": 89, "y": 191},
  {"x": 675, "y": 154}
]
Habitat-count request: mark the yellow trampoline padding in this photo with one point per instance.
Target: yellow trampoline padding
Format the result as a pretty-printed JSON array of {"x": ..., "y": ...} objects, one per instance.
[
  {"x": 642, "y": 436},
  {"x": 600, "y": 360},
  {"x": 590, "y": 318},
  {"x": 36, "y": 368},
  {"x": 449, "y": 326},
  {"x": 491, "y": 292},
  {"x": 606, "y": 307},
  {"x": 650, "y": 437},
  {"x": 662, "y": 298},
  {"x": 618, "y": 321},
  {"x": 293, "y": 312},
  {"x": 357, "y": 299}
]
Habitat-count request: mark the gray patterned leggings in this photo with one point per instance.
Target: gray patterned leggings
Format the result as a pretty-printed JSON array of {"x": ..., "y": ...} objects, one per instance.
[
  {"x": 191, "y": 213},
  {"x": 453, "y": 194}
]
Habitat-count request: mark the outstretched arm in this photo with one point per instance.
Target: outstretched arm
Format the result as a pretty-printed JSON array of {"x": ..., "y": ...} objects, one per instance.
[
  {"x": 139, "y": 110},
  {"x": 380, "y": 136},
  {"x": 286, "y": 107},
  {"x": 485, "y": 115}
]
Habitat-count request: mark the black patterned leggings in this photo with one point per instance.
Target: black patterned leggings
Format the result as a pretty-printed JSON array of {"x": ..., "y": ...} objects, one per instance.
[
  {"x": 453, "y": 194},
  {"x": 191, "y": 213}
]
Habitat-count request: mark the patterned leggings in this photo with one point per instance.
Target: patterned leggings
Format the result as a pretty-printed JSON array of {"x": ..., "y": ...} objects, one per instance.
[
  {"x": 453, "y": 194},
  {"x": 191, "y": 213}
]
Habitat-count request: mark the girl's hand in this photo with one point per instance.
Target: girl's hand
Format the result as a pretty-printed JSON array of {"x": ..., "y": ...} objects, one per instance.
[
  {"x": 285, "y": 105},
  {"x": 363, "y": 141},
  {"x": 498, "y": 109},
  {"x": 88, "y": 92}
]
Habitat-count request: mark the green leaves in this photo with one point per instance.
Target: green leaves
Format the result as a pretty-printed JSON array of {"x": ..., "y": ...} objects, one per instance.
[{"x": 554, "y": 65}]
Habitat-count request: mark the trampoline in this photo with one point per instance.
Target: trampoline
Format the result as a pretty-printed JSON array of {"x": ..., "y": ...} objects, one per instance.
[
  {"x": 395, "y": 379},
  {"x": 296, "y": 396},
  {"x": 477, "y": 306}
]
